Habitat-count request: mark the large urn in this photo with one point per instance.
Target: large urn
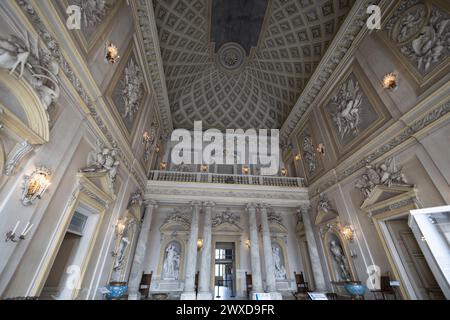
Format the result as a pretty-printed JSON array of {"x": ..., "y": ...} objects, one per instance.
[
  {"x": 355, "y": 289},
  {"x": 117, "y": 290}
]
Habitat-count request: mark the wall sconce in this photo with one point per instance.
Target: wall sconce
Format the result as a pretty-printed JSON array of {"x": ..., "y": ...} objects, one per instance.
[
  {"x": 157, "y": 148},
  {"x": 146, "y": 137},
  {"x": 390, "y": 81},
  {"x": 35, "y": 185},
  {"x": 120, "y": 227},
  {"x": 11, "y": 235},
  {"x": 204, "y": 168},
  {"x": 199, "y": 244},
  {"x": 284, "y": 172},
  {"x": 245, "y": 170},
  {"x": 347, "y": 232},
  {"x": 298, "y": 157},
  {"x": 163, "y": 166},
  {"x": 320, "y": 149},
  {"x": 248, "y": 243},
  {"x": 112, "y": 53}
]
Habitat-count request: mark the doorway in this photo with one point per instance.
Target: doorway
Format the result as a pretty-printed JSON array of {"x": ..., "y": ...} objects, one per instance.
[
  {"x": 65, "y": 276},
  {"x": 411, "y": 260},
  {"x": 224, "y": 271}
]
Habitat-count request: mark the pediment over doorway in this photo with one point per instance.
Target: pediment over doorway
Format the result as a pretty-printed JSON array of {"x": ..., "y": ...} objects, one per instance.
[{"x": 385, "y": 198}]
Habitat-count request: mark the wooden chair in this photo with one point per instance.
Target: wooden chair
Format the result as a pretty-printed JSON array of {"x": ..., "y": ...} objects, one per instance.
[
  {"x": 144, "y": 286},
  {"x": 302, "y": 285},
  {"x": 385, "y": 289},
  {"x": 248, "y": 283}
]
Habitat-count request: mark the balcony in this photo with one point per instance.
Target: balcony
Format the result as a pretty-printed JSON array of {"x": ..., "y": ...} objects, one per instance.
[{"x": 199, "y": 177}]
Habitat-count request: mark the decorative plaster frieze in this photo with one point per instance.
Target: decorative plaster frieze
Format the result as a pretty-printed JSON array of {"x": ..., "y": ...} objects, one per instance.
[{"x": 145, "y": 17}]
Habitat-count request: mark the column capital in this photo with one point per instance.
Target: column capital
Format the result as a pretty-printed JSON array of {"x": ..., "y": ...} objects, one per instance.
[
  {"x": 265, "y": 206},
  {"x": 149, "y": 202},
  {"x": 304, "y": 208},
  {"x": 209, "y": 204},
  {"x": 251, "y": 205},
  {"x": 195, "y": 203}
]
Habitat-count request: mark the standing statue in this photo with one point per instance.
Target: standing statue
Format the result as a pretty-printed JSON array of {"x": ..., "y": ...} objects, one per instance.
[
  {"x": 121, "y": 253},
  {"x": 171, "y": 264},
  {"x": 280, "y": 270},
  {"x": 340, "y": 259}
]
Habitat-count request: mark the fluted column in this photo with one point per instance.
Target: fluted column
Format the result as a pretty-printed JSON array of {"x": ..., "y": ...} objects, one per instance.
[
  {"x": 191, "y": 256},
  {"x": 205, "y": 269},
  {"x": 319, "y": 279},
  {"x": 254, "y": 249},
  {"x": 137, "y": 268},
  {"x": 267, "y": 247}
]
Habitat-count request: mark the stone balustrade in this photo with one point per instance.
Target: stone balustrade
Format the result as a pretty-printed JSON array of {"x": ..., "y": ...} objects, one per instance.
[{"x": 199, "y": 177}]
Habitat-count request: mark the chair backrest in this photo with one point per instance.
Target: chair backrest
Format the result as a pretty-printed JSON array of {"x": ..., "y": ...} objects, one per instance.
[
  {"x": 248, "y": 279},
  {"x": 385, "y": 283},
  {"x": 299, "y": 278}
]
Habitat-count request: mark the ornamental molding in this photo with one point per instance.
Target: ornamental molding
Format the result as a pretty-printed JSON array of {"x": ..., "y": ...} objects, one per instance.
[
  {"x": 146, "y": 28},
  {"x": 350, "y": 34},
  {"x": 407, "y": 133},
  {"x": 54, "y": 52}
]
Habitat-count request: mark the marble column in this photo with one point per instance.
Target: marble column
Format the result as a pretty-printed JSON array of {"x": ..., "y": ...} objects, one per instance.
[
  {"x": 254, "y": 250},
  {"x": 205, "y": 269},
  {"x": 267, "y": 248},
  {"x": 316, "y": 265},
  {"x": 137, "y": 267},
  {"x": 191, "y": 256}
]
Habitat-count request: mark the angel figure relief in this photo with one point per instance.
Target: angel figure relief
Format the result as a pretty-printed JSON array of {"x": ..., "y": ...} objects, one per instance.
[
  {"x": 382, "y": 174},
  {"x": 103, "y": 159},
  {"x": 40, "y": 71},
  {"x": 348, "y": 101}
]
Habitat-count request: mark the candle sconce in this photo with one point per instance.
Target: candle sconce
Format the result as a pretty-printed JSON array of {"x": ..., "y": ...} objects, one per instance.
[{"x": 11, "y": 235}]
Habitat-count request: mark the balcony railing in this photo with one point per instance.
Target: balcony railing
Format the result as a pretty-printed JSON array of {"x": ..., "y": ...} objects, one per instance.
[{"x": 200, "y": 177}]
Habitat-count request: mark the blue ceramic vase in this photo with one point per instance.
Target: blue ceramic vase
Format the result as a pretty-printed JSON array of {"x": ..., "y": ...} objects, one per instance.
[
  {"x": 117, "y": 290},
  {"x": 355, "y": 289}
]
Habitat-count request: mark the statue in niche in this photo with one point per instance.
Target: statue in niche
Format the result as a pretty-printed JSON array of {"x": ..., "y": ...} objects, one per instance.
[
  {"x": 348, "y": 101},
  {"x": 382, "y": 174},
  {"x": 171, "y": 265},
  {"x": 340, "y": 259},
  {"x": 121, "y": 252},
  {"x": 280, "y": 270},
  {"x": 103, "y": 159}
]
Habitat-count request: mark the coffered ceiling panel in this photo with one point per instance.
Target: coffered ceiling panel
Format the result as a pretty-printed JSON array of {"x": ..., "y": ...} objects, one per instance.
[{"x": 233, "y": 87}]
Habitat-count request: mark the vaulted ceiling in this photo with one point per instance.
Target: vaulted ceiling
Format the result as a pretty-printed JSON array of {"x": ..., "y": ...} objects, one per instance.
[{"x": 242, "y": 63}]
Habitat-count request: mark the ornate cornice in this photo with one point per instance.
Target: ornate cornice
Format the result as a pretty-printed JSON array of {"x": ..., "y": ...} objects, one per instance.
[
  {"x": 53, "y": 48},
  {"x": 147, "y": 31},
  {"x": 407, "y": 133},
  {"x": 350, "y": 34}
]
